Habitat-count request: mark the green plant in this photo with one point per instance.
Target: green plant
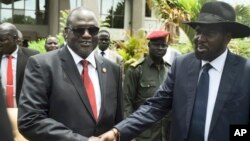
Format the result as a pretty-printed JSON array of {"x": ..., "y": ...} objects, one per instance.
[
  {"x": 183, "y": 47},
  {"x": 133, "y": 48},
  {"x": 63, "y": 18},
  {"x": 240, "y": 47},
  {"x": 38, "y": 45}
]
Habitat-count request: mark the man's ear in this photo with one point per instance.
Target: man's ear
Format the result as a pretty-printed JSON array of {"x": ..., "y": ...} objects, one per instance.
[
  {"x": 149, "y": 44},
  {"x": 228, "y": 37}
]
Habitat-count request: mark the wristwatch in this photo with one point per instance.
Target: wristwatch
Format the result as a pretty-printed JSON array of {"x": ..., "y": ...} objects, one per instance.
[{"x": 116, "y": 133}]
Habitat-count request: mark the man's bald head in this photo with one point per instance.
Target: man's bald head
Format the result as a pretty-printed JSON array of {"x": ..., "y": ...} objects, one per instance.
[
  {"x": 8, "y": 38},
  {"x": 77, "y": 14},
  {"x": 8, "y": 28}
]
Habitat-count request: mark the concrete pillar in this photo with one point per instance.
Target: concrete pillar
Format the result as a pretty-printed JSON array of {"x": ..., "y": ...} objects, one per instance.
[
  {"x": 54, "y": 17},
  {"x": 93, "y": 5},
  {"x": 64, "y": 4},
  {"x": 138, "y": 15},
  {"x": 128, "y": 15}
]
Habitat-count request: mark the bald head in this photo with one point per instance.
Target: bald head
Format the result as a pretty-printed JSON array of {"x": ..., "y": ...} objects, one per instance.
[
  {"x": 8, "y": 38},
  {"x": 8, "y": 28},
  {"x": 81, "y": 13}
]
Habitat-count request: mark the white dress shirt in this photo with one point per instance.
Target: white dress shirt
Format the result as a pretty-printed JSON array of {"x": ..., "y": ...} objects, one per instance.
[
  {"x": 106, "y": 53},
  {"x": 4, "y": 65},
  {"x": 92, "y": 73},
  {"x": 214, "y": 82}
]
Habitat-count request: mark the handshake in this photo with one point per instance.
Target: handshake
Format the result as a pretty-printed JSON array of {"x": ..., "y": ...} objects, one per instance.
[{"x": 111, "y": 135}]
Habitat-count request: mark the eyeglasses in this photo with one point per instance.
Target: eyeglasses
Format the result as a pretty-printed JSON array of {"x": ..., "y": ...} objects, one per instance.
[{"x": 80, "y": 31}]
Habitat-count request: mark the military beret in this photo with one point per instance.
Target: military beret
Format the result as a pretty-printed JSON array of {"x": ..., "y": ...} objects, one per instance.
[{"x": 157, "y": 34}]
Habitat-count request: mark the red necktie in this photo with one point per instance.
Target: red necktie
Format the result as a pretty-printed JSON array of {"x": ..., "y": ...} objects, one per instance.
[
  {"x": 89, "y": 87},
  {"x": 9, "y": 86}
]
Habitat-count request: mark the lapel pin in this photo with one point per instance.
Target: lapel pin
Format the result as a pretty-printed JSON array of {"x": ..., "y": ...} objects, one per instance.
[{"x": 104, "y": 70}]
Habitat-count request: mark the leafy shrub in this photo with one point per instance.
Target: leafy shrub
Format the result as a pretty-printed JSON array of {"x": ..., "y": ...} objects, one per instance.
[
  {"x": 37, "y": 45},
  {"x": 133, "y": 48}
]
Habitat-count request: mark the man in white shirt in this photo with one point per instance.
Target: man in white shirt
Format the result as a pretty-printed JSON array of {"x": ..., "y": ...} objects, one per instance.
[
  {"x": 103, "y": 48},
  {"x": 19, "y": 57},
  {"x": 71, "y": 94}
]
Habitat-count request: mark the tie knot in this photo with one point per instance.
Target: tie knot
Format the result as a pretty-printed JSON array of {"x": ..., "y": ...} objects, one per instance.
[
  {"x": 9, "y": 56},
  {"x": 207, "y": 67},
  {"x": 102, "y": 53},
  {"x": 85, "y": 63}
]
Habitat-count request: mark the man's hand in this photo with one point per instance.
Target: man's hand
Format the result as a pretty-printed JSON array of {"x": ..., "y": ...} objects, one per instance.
[
  {"x": 109, "y": 136},
  {"x": 93, "y": 138}
]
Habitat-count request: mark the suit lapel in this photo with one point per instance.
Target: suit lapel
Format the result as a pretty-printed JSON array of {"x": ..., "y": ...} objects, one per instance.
[
  {"x": 102, "y": 74},
  {"x": 193, "y": 74},
  {"x": 227, "y": 79},
  {"x": 20, "y": 67},
  {"x": 73, "y": 74}
]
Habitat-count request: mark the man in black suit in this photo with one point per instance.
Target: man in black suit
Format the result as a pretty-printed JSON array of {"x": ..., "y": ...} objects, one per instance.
[
  {"x": 56, "y": 104},
  {"x": 5, "y": 127},
  {"x": 9, "y": 47},
  {"x": 207, "y": 90}
]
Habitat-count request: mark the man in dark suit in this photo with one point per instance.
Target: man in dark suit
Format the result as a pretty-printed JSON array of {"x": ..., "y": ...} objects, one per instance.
[
  {"x": 9, "y": 47},
  {"x": 56, "y": 104},
  {"x": 207, "y": 90},
  {"x": 5, "y": 127}
]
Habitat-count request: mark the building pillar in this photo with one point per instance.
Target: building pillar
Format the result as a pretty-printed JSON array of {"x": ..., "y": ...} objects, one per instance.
[
  {"x": 128, "y": 15},
  {"x": 138, "y": 15},
  {"x": 92, "y": 5},
  {"x": 54, "y": 17}
]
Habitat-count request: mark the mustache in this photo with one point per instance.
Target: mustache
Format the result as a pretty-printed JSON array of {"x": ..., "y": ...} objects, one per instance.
[{"x": 201, "y": 45}]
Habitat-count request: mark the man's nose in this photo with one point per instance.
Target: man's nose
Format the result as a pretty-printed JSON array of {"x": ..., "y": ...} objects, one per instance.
[{"x": 86, "y": 33}]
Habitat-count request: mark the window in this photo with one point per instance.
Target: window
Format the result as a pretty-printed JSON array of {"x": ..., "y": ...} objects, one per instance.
[
  {"x": 24, "y": 11},
  {"x": 75, "y": 4},
  {"x": 112, "y": 12}
]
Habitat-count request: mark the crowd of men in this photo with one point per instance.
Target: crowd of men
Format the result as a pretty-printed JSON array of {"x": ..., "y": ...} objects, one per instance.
[{"x": 77, "y": 91}]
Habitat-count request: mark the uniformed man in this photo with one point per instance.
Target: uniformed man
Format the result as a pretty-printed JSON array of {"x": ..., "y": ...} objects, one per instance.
[{"x": 142, "y": 80}]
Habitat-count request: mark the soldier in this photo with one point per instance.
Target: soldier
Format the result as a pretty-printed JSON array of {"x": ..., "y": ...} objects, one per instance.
[{"x": 142, "y": 80}]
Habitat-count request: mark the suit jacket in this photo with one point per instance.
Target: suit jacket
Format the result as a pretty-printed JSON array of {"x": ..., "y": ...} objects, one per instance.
[
  {"x": 23, "y": 55},
  {"x": 5, "y": 126},
  {"x": 113, "y": 56},
  {"x": 54, "y": 105},
  {"x": 231, "y": 106}
]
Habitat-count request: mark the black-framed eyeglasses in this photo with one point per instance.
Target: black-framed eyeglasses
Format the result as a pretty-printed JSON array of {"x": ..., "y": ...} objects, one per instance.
[{"x": 93, "y": 30}]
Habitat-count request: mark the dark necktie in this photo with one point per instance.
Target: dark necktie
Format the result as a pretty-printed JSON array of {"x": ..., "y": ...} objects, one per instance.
[
  {"x": 9, "y": 85},
  {"x": 102, "y": 53},
  {"x": 197, "y": 128},
  {"x": 89, "y": 88}
]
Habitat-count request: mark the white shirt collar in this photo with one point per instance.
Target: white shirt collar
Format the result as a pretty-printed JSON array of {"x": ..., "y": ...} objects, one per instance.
[
  {"x": 105, "y": 51},
  {"x": 219, "y": 62},
  {"x": 77, "y": 58}
]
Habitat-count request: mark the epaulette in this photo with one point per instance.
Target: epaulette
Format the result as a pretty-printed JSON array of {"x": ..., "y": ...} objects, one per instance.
[{"x": 138, "y": 62}]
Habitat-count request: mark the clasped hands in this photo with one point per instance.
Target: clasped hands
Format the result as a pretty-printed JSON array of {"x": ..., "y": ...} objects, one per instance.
[{"x": 108, "y": 136}]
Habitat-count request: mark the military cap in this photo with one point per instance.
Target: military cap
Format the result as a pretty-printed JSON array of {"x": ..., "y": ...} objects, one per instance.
[{"x": 157, "y": 34}]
